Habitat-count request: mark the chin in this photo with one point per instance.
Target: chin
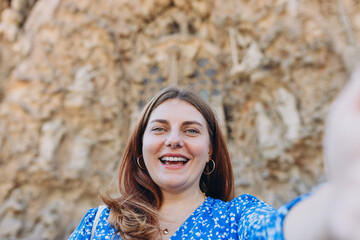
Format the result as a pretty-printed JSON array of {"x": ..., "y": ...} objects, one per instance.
[{"x": 172, "y": 184}]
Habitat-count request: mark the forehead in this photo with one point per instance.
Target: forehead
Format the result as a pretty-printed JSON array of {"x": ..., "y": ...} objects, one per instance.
[{"x": 177, "y": 109}]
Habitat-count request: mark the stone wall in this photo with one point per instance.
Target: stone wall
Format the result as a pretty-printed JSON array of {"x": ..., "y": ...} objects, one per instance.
[{"x": 76, "y": 73}]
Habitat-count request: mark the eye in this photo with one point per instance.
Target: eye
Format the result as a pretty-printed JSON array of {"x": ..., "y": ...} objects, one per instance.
[
  {"x": 192, "y": 131},
  {"x": 158, "y": 129}
]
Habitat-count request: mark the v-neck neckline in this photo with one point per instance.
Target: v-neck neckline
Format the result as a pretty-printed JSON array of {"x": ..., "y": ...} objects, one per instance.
[{"x": 193, "y": 214}]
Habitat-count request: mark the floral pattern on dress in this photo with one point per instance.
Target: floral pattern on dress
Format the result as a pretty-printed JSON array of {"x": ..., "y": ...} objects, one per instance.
[{"x": 245, "y": 217}]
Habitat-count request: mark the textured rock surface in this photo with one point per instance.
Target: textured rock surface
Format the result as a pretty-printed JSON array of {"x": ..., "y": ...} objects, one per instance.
[{"x": 75, "y": 75}]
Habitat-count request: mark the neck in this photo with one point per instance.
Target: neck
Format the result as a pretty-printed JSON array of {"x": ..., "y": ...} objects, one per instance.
[
  {"x": 176, "y": 208},
  {"x": 181, "y": 202}
]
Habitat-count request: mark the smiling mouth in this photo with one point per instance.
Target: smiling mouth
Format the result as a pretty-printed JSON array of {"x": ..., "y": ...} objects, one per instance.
[{"x": 174, "y": 160}]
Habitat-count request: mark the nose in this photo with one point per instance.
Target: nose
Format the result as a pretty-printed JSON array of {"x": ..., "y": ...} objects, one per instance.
[{"x": 174, "y": 140}]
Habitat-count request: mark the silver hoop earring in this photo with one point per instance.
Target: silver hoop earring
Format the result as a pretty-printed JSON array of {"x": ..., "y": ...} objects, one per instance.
[
  {"x": 212, "y": 170},
  {"x": 138, "y": 162}
]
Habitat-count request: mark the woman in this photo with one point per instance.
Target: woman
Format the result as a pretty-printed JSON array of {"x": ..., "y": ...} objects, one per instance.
[{"x": 176, "y": 182}]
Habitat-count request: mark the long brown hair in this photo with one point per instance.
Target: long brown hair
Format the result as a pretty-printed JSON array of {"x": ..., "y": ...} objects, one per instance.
[{"x": 134, "y": 214}]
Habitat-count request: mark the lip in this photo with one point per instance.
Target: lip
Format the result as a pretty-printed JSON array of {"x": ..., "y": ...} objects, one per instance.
[
  {"x": 173, "y": 155},
  {"x": 173, "y": 166}
]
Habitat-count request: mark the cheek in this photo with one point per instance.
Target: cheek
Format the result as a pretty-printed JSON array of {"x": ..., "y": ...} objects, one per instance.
[
  {"x": 150, "y": 146},
  {"x": 146, "y": 148},
  {"x": 202, "y": 149},
  {"x": 147, "y": 152}
]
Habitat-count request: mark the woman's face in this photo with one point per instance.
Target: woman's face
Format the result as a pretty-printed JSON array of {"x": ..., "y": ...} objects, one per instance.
[{"x": 176, "y": 146}]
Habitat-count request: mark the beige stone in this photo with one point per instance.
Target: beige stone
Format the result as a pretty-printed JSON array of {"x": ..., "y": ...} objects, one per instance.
[
  {"x": 268, "y": 134},
  {"x": 289, "y": 114},
  {"x": 51, "y": 135},
  {"x": 76, "y": 75},
  {"x": 10, "y": 16},
  {"x": 11, "y": 215},
  {"x": 18, "y": 5},
  {"x": 9, "y": 31}
]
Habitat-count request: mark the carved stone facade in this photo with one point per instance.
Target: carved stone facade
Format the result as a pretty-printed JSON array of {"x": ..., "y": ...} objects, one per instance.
[{"x": 75, "y": 75}]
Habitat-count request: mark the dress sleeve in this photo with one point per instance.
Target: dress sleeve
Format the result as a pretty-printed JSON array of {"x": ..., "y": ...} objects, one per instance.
[
  {"x": 256, "y": 219},
  {"x": 83, "y": 231},
  {"x": 260, "y": 221},
  {"x": 282, "y": 213}
]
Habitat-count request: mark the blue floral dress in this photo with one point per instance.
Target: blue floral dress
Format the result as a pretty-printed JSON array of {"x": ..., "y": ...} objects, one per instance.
[{"x": 245, "y": 217}]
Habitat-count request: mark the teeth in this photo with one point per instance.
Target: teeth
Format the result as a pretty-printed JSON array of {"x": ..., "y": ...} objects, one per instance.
[{"x": 173, "y": 159}]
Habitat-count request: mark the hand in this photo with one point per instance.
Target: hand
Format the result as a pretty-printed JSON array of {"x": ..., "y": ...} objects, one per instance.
[{"x": 342, "y": 156}]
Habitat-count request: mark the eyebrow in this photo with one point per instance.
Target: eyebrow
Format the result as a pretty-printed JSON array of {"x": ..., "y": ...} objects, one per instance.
[
  {"x": 184, "y": 123},
  {"x": 192, "y": 122},
  {"x": 159, "y": 121}
]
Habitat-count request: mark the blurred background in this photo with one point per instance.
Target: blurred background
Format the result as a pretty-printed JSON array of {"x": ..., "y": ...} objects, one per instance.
[{"x": 75, "y": 74}]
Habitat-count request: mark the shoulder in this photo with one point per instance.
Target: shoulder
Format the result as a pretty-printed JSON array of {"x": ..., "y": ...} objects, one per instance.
[
  {"x": 243, "y": 209},
  {"x": 247, "y": 199},
  {"x": 245, "y": 202},
  {"x": 246, "y": 216},
  {"x": 83, "y": 231},
  {"x": 257, "y": 219},
  {"x": 251, "y": 203}
]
